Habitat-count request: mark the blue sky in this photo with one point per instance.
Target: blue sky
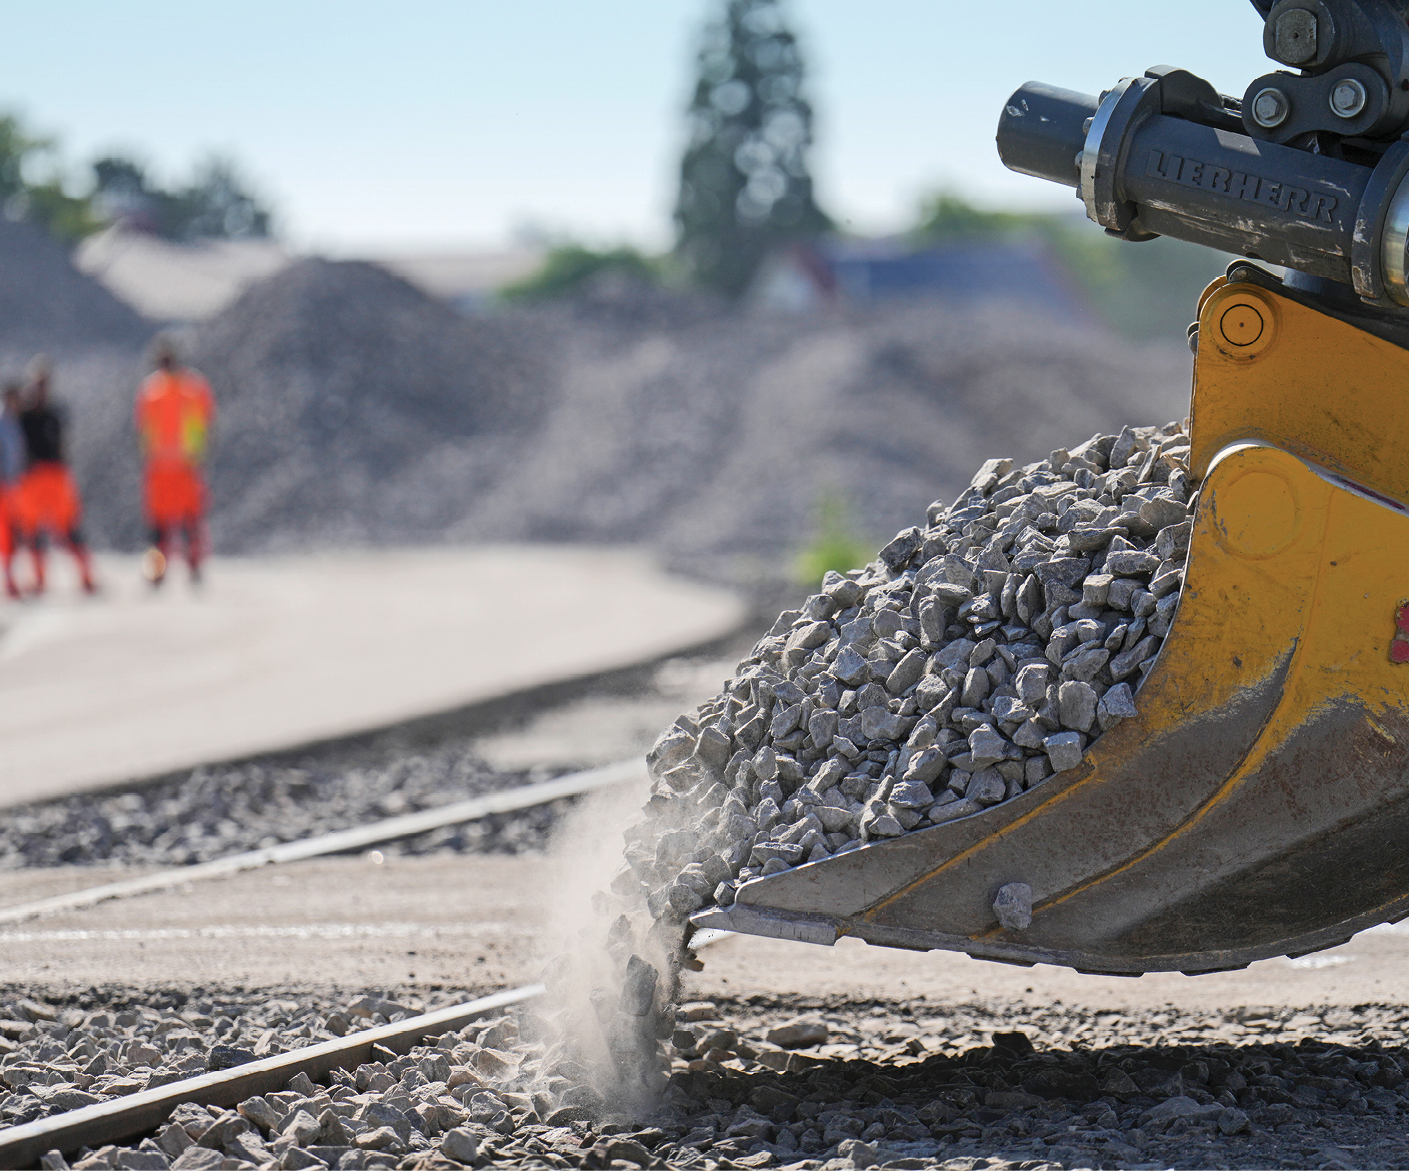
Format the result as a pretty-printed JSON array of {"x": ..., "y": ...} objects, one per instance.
[{"x": 375, "y": 126}]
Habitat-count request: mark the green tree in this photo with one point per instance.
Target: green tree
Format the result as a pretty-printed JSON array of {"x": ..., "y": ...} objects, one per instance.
[
  {"x": 16, "y": 148},
  {"x": 744, "y": 183},
  {"x": 214, "y": 206},
  {"x": 569, "y": 266},
  {"x": 217, "y": 205},
  {"x": 946, "y": 216},
  {"x": 1143, "y": 291},
  {"x": 45, "y": 202}
]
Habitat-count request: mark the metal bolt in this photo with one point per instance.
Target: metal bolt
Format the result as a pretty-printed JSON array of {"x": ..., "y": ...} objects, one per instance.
[
  {"x": 1294, "y": 36},
  {"x": 1270, "y": 107},
  {"x": 1348, "y": 98}
]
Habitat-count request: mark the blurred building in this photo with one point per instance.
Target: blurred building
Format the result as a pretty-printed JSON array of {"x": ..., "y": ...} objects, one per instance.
[
  {"x": 170, "y": 282},
  {"x": 175, "y": 283},
  {"x": 806, "y": 278}
]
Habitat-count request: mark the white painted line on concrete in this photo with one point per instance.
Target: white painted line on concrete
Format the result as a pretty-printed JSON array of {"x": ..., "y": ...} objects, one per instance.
[
  {"x": 287, "y": 931},
  {"x": 504, "y": 801}
]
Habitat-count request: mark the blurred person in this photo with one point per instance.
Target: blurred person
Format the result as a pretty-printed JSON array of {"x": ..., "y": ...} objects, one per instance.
[
  {"x": 175, "y": 410},
  {"x": 12, "y": 461},
  {"x": 47, "y": 500}
]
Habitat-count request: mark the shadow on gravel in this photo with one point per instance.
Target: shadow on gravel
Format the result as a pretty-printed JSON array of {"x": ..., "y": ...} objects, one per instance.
[{"x": 1312, "y": 1103}]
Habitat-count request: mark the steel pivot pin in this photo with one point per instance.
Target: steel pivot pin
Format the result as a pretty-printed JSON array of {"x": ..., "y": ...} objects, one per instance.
[{"x": 1241, "y": 325}]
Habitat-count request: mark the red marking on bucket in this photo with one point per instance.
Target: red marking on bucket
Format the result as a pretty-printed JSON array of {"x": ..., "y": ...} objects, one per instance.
[{"x": 1399, "y": 647}]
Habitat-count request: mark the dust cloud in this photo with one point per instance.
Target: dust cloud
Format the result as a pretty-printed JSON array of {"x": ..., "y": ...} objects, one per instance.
[{"x": 612, "y": 971}]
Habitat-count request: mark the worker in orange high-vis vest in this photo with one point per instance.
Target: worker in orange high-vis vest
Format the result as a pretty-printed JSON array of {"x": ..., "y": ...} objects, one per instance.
[
  {"x": 46, "y": 500},
  {"x": 175, "y": 411}
]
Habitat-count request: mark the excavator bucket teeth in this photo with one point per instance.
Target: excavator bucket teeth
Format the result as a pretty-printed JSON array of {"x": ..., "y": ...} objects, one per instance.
[{"x": 1258, "y": 805}]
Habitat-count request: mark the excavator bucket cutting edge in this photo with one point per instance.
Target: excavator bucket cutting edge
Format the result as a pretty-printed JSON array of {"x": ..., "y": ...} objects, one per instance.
[{"x": 1258, "y": 804}]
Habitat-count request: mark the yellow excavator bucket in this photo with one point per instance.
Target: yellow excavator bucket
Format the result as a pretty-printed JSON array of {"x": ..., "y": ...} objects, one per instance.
[{"x": 1258, "y": 805}]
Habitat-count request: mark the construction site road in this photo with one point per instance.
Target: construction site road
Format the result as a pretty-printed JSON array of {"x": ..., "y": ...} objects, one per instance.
[
  {"x": 273, "y": 652},
  {"x": 487, "y": 922}
]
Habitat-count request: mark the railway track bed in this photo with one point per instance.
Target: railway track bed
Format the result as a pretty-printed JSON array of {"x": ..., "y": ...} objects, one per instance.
[
  {"x": 101, "y": 1077},
  {"x": 839, "y": 1085}
]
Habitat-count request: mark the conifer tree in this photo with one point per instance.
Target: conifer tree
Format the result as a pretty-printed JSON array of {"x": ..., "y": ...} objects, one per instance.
[{"x": 744, "y": 183}]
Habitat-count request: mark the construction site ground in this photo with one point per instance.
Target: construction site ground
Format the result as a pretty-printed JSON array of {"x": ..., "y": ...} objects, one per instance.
[{"x": 415, "y": 927}]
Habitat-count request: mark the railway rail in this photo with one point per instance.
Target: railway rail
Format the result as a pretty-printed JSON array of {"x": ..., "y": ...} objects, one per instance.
[
  {"x": 133, "y": 1115},
  {"x": 342, "y": 841}
]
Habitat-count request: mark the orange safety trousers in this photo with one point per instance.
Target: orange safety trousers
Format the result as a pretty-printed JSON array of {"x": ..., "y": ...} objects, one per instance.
[
  {"x": 174, "y": 493},
  {"x": 46, "y": 498}
]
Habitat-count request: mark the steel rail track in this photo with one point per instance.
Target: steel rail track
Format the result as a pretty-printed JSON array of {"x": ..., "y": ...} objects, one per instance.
[
  {"x": 503, "y": 801},
  {"x": 131, "y": 1116}
]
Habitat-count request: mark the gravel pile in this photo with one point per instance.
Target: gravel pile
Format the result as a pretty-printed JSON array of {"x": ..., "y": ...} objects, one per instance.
[
  {"x": 356, "y": 409},
  {"x": 721, "y": 440},
  {"x": 807, "y": 1085},
  {"x": 977, "y": 658},
  {"x": 95, "y": 341},
  {"x": 216, "y": 810},
  {"x": 46, "y": 303}
]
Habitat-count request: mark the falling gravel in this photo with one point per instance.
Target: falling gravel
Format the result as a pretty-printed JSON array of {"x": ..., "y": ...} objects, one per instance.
[
  {"x": 784, "y": 1082},
  {"x": 977, "y": 658}
]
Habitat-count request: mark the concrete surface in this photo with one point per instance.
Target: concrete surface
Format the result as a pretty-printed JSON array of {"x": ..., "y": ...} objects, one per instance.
[
  {"x": 273, "y": 652},
  {"x": 482, "y": 922},
  {"x": 335, "y": 923}
]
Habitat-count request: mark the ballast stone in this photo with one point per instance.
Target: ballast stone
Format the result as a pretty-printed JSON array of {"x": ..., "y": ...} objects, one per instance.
[{"x": 1013, "y": 906}]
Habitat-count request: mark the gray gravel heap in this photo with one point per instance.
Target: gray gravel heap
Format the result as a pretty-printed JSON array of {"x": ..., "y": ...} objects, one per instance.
[
  {"x": 47, "y": 304},
  {"x": 787, "y": 1082},
  {"x": 216, "y": 810},
  {"x": 355, "y": 408},
  {"x": 975, "y": 659}
]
